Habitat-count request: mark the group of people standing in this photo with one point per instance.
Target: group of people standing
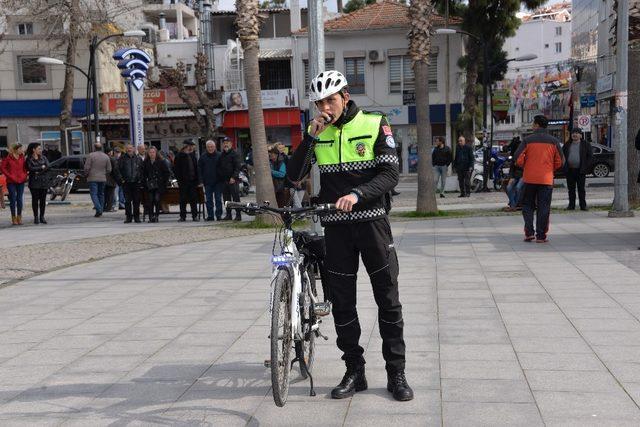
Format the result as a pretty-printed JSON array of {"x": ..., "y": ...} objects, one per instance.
[{"x": 19, "y": 169}]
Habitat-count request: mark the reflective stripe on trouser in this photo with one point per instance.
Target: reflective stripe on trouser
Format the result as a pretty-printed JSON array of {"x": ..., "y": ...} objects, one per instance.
[{"x": 374, "y": 242}]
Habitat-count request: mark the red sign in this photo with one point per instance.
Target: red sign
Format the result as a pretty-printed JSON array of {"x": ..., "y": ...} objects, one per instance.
[{"x": 155, "y": 101}]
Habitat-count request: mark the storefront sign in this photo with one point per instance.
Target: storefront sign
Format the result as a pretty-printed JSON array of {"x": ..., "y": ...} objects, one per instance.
[
  {"x": 277, "y": 98},
  {"x": 500, "y": 103},
  {"x": 409, "y": 97},
  {"x": 134, "y": 64},
  {"x": 605, "y": 83},
  {"x": 154, "y": 101},
  {"x": 396, "y": 115},
  {"x": 588, "y": 100}
]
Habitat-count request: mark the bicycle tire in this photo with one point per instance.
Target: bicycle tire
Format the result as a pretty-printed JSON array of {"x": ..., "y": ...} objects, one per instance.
[
  {"x": 281, "y": 342},
  {"x": 309, "y": 344}
]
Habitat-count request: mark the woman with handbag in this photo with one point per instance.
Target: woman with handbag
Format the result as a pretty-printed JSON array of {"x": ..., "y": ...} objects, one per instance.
[
  {"x": 278, "y": 174},
  {"x": 37, "y": 165},
  {"x": 155, "y": 178},
  {"x": 15, "y": 171}
]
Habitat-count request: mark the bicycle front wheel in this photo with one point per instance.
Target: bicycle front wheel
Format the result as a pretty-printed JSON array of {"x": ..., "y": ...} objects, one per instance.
[{"x": 281, "y": 343}]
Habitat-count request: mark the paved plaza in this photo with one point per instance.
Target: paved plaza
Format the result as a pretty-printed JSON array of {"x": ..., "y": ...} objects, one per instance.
[{"x": 498, "y": 332}]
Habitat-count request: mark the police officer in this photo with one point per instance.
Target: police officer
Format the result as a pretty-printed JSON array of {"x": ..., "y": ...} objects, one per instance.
[{"x": 356, "y": 154}]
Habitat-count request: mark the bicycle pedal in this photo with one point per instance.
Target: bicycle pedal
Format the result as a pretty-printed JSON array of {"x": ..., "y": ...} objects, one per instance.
[{"x": 322, "y": 308}]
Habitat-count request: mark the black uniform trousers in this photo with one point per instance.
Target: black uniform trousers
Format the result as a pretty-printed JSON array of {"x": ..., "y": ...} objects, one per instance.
[
  {"x": 131, "y": 200},
  {"x": 372, "y": 240},
  {"x": 575, "y": 178},
  {"x": 188, "y": 194}
]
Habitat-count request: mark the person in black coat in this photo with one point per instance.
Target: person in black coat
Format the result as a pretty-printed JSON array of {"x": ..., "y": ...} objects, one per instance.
[
  {"x": 228, "y": 172},
  {"x": 208, "y": 171},
  {"x": 130, "y": 166},
  {"x": 463, "y": 164},
  {"x": 186, "y": 172},
  {"x": 579, "y": 155},
  {"x": 37, "y": 165},
  {"x": 155, "y": 178},
  {"x": 113, "y": 179}
]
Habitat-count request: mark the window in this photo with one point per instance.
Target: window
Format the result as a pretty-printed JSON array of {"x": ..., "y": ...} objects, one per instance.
[
  {"x": 354, "y": 72},
  {"x": 275, "y": 74},
  {"x": 329, "y": 64},
  {"x": 558, "y": 47},
  {"x": 558, "y": 31},
  {"x": 546, "y": 45},
  {"x": 25, "y": 29},
  {"x": 30, "y": 71},
  {"x": 401, "y": 74}
]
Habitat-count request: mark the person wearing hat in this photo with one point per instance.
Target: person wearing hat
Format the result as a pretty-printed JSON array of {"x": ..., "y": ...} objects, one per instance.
[
  {"x": 186, "y": 172},
  {"x": 356, "y": 154},
  {"x": 228, "y": 176},
  {"x": 539, "y": 155},
  {"x": 578, "y": 154}
]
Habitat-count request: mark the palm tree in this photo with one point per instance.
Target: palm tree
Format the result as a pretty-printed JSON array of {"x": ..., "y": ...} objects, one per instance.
[
  {"x": 420, "y": 13},
  {"x": 248, "y": 21}
]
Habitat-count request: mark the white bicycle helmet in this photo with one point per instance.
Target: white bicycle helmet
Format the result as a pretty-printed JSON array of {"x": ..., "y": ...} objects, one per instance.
[{"x": 326, "y": 84}]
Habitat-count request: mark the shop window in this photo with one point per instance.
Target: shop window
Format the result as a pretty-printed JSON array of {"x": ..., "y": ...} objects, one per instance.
[
  {"x": 275, "y": 74},
  {"x": 354, "y": 72}
]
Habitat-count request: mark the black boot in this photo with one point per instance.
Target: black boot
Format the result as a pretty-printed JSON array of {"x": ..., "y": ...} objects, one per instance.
[
  {"x": 42, "y": 220},
  {"x": 397, "y": 384},
  {"x": 353, "y": 380},
  {"x": 238, "y": 216}
]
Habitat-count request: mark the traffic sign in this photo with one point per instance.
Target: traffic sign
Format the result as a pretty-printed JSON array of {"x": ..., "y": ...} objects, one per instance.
[{"x": 584, "y": 123}]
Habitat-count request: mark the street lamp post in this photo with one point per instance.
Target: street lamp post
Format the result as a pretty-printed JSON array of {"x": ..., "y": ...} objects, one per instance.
[
  {"x": 54, "y": 61},
  {"x": 93, "y": 47}
]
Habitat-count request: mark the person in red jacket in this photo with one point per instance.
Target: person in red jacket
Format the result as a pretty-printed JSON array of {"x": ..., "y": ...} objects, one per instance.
[
  {"x": 14, "y": 169},
  {"x": 539, "y": 156}
]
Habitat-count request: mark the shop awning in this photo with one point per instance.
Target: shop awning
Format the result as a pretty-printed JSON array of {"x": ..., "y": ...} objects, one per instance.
[
  {"x": 274, "y": 54},
  {"x": 272, "y": 118},
  {"x": 166, "y": 116}
]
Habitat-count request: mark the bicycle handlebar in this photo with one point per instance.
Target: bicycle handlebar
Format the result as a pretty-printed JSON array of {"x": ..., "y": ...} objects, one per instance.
[{"x": 254, "y": 207}]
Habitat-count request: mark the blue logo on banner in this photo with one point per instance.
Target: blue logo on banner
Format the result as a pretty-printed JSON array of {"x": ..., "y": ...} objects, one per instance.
[{"x": 134, "y": 64}]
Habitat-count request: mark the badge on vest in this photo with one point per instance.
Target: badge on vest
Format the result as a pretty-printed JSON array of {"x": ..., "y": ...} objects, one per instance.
[
  {"x": 391, "y": 143},
  {"x": 361, "y": 149}
]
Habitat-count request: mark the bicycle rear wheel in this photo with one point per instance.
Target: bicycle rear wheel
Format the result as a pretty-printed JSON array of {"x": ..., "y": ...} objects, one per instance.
[{"x": 281, "y": 342}]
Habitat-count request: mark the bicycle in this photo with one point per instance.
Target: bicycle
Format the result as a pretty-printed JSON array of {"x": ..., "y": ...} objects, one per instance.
[{"x": 293, "y": 303}]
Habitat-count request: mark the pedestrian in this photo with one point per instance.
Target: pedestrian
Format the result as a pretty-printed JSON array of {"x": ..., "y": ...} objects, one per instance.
[
  {"x": 186, "y": 171},
  {"x": 155, "y": 179},
  {"x": 117, "y": 153},
  {"x": 539, "y": 156},
  {"x": 37, "y": 165},
  {"x": 52, "y": 153},
  {"x": 15, "y": 171},
  {"x": 130, "y": 167},
  {"x": 578, "y": 156},
  {"x": 356, "y": 177},
  {"x": 515, "y": 183},
  {"x": 278, "y": 175},
  {"x": 3, "y": 180},
  {"x": 463, "y": 164},
  {"x": 97, "y": 167},
  {"x": 208, "y": 170},
  {"x": 441, "y": 158},
  {"x": 228, "y": 171},
  {"x": 111, "y": 185},
  {"x": 142, "y": 151}
]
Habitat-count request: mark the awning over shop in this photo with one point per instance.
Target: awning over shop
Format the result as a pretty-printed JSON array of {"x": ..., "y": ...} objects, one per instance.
[
  {"x": 166, "y": 116},
  {"x": 274, "y": 54},
  {"x": 272, "y": 118}
]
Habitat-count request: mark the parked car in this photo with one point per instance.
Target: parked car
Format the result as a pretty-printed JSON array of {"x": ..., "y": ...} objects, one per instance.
[
  {"x": 602, "y": 165},
  {"x": 70, "y": 163}
]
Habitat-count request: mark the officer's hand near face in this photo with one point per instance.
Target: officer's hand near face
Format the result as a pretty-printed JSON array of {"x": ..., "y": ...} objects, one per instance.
[
  {"x": 345, "y": 203},
  {"x": 320, "y": 123}
]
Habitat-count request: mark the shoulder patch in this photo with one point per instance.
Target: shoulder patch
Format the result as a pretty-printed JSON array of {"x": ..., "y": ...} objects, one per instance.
[
  {"x": 387, "y": 130},
  {"x": 391, "y": 143}
]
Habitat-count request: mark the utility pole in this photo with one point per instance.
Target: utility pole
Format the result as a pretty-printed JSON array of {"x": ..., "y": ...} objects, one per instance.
[
  {"x": 207, "y": 44},
  {"x": 447, "y": 83},
  {"x": 316, "y": 66},
  {"x": 621, "y": 179}
]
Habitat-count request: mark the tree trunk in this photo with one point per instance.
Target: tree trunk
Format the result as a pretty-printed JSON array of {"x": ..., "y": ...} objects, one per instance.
[
  {"x": 470, "y": 101},
  {"x": 426, "y": 202},
  {"x": 264, "y": 183},
  {"x": 633, "y": 127},
  {"x": 66, "y": 96}
]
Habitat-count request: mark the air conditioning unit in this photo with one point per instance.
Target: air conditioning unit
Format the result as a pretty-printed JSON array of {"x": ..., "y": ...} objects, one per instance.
[{"x": 375, "y": 56}]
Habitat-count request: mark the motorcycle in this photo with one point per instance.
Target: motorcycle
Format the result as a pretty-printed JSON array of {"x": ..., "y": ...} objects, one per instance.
[
  {"x": 498, "y": 171},
  {"x": 62, "y": 185},
  {"x": 477, "y": 178},
  {"x": 244, "y": 183}
]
